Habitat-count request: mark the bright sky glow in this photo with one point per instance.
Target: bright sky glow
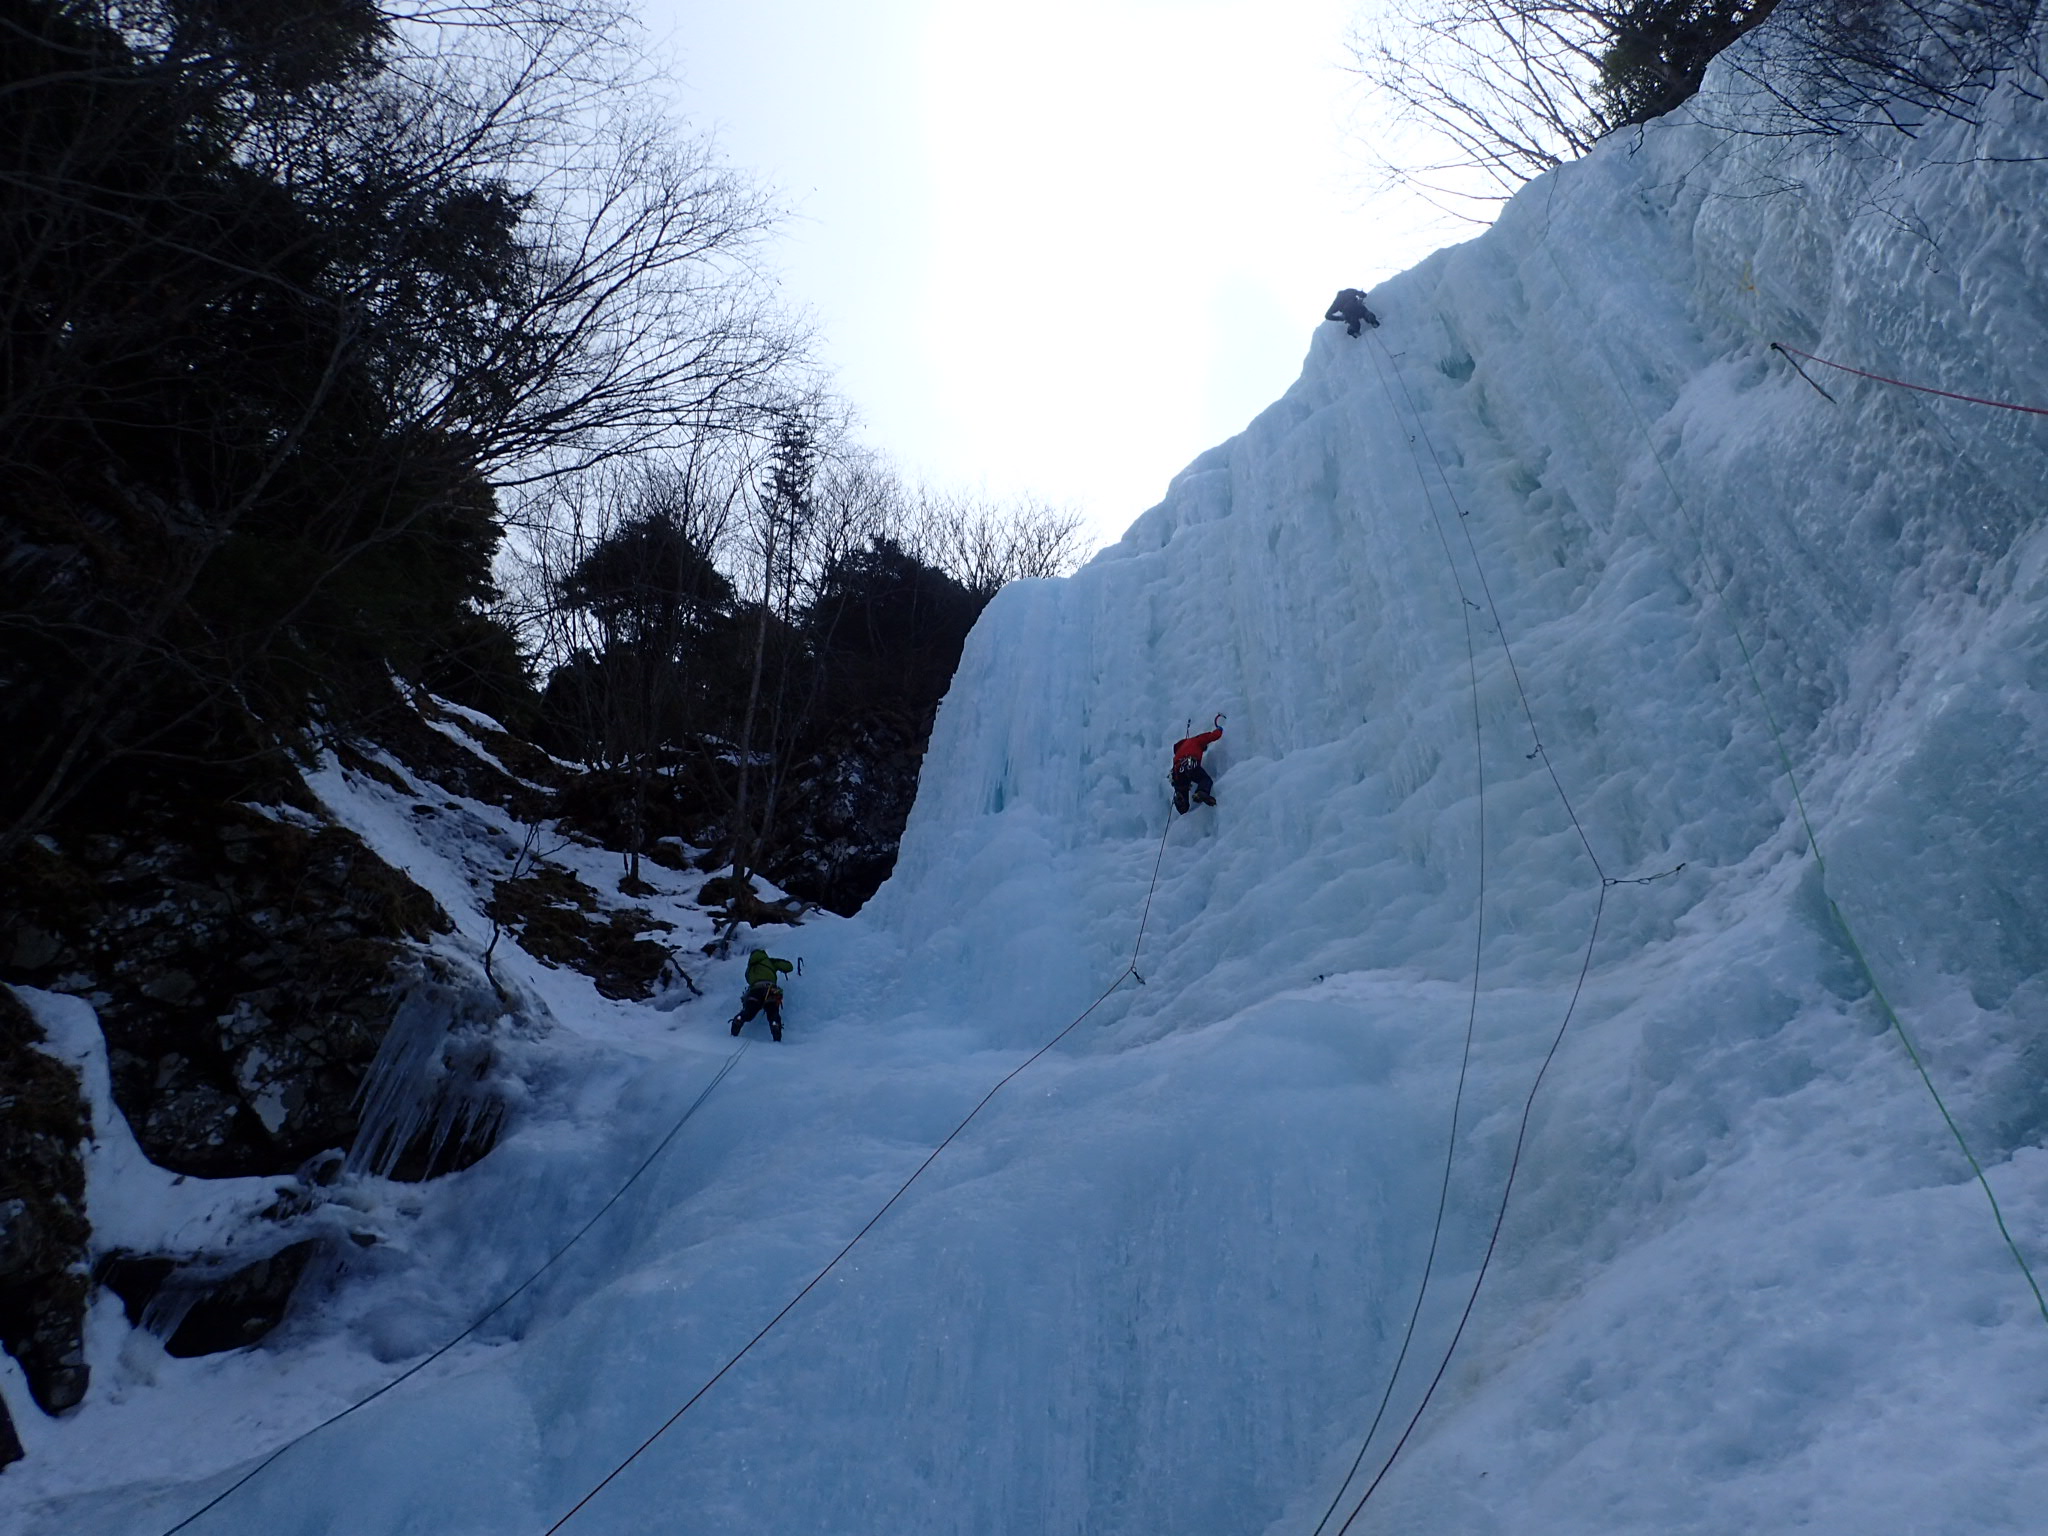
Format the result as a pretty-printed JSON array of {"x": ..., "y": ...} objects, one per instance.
[{"x": 1059, "y": 250}]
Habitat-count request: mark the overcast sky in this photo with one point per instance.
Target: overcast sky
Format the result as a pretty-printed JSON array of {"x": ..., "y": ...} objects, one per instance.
[{"x": 1058, "y": 249}]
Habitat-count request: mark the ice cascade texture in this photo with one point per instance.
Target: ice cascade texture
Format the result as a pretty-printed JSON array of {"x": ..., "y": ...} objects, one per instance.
[{"x": 1562, "y": 576}]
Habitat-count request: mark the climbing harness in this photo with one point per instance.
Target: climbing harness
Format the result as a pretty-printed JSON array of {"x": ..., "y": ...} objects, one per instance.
[
  {"x": 511, "y": 1296},
  {"x": 1130, "y": 969}
]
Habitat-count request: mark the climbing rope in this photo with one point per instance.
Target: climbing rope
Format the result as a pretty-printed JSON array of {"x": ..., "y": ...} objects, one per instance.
[
  {"x": 1443, "y": 1194},
  {"x": 1557, "y": 1040},
  {"x": 1925, "y": 389},
  {"x": 1891, "y": 1014},
  {"x": 1500, "y": 1217},
  {"x": 1146, "y": 916},
  {"x": 1129, "y": 970},
  {"x": 1606, "y": 882},
  {"x": 511, "y": 1296}
]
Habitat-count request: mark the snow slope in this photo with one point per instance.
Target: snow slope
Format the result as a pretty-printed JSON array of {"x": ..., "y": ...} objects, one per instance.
[{"x": 1560, "y": 580}]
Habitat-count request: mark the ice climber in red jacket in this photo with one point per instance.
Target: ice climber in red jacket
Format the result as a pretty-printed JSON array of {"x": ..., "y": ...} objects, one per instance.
[{"x": 1190, "y": 778}]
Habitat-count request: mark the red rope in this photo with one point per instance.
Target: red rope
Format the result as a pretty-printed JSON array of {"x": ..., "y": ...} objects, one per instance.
[{"x": 2003, "y": 405}]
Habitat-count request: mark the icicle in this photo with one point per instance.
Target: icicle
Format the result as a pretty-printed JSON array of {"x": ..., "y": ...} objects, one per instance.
[{"x": 432, "y": 1075}]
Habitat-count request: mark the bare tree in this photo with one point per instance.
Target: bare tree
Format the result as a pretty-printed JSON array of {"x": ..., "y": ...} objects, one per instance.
[
  {"x": 624, "y": 596},
  {"x": 985, "y": 544},
  {"x": 321, "y": 274},
  {"x": 1503, "y": 90},
  {"x": 817, "y": 500},
  {"x": 1507, "y": 88},
  {"x": 1844, "y": 67}
]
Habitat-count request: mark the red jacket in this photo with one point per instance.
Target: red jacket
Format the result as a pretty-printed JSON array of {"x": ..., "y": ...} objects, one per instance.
[{"x": 1189, "y": 749}]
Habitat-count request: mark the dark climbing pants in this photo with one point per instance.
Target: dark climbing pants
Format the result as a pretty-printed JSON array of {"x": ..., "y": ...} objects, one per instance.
[
  {"x": 1353, "y": 316},
  {"x": 760, "y": 997},
  {"x": 1191, "y": 779}
]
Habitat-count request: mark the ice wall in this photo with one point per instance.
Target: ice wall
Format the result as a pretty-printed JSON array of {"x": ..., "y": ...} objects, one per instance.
[
  {"x": 1560, "y": 577},
  {"x": 1747, "y": 1281}
]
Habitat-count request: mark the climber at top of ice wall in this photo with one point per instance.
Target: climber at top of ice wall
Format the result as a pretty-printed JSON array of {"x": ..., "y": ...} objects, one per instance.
[{"x": 1590, "y": 393}]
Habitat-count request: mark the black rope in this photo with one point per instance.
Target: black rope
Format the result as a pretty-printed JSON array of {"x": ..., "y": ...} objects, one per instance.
[
  {"x": 1571, "y": 1008},
  {"x": 510, "y": 1297},
  {"x": 917, "y": 1173},
  {"x": 1500, "y": 626},
  {"x": 1146, "y": 916},
  {"x": 1500, "y": 1217},
  {"x": 1642, "y": 879},
  {"x": 1831, "y": 400},
  {"x": 1443, "y": 1197}
]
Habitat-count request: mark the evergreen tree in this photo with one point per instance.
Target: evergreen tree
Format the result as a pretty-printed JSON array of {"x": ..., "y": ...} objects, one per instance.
[
  {"x": 1658, "y": 51},
  {"x": 292, "y": 286}
]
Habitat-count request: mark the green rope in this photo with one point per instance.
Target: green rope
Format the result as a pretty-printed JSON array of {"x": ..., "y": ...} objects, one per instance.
[{"x": 1792, "y": 777}]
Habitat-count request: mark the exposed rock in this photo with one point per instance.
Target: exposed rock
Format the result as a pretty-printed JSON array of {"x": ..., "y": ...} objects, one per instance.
[
  {"x": 34, "y": 949},
  {"x": 174, "y": 987},
  {"x": 10, "y": 1442},
  {"x": 205, "y": 1302},
  {"x": 208, "y": 1304},
  {"x": 43, "y": 1234},
  {"x": 243, "y": 965},
  {"x": 742, "y": 903},
  {"x": 559, "y": 920},
  {"x": 246, "y": 963},
  {"x": 849, "y": 804},
  {"x": 237, "y": 1310},
  {"x": 135, "y": 1278},
  {"x": 497, "y": 769}
]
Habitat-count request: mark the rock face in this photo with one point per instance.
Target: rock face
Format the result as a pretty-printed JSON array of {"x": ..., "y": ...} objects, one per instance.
[
  {"x": 241, "y": 965},
  {"x": 838, "y": 835},
  {"x": 558, "y": 920},
  {"x": 43, "y": 1232},
  {"x": 10, "y": 1442},
  {"x": 235, "y": 1310},
  {"x": 246, "y": 964},
  {"x": 272, "y": 1006}
]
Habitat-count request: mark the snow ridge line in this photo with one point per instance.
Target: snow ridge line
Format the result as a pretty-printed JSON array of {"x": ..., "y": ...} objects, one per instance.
[
  {"x": 513, "y": 1295},
  {"x": 1784, "y": 753},
  {"x": 1130, "y": 969}
]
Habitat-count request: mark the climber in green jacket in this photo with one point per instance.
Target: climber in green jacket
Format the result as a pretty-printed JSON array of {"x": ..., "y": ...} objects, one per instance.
[{"x": 763, "y": 992}]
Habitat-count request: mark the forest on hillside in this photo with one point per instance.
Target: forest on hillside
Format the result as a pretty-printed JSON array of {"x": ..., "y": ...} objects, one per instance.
[
  {"x": 398, "y": 396},
  {"x": 352, "y": 343}
]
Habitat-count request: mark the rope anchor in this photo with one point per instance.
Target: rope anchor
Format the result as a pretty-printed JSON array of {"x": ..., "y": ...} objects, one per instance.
[
  {"x": 1831, "y": 400},
  {"x": 1926, "y": 389},
  {"x": 1641, "y": 879}
]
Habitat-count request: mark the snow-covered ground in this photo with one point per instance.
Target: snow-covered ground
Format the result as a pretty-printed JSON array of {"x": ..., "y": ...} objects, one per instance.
[{"x": 1560, "y": 578}]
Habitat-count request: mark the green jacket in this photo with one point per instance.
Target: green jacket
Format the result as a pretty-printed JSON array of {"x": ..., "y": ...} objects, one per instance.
[{"x": 762, "y": 966}]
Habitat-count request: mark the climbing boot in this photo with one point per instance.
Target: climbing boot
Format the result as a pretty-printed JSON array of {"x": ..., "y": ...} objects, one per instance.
[{"x": 736, "y": 1025}]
